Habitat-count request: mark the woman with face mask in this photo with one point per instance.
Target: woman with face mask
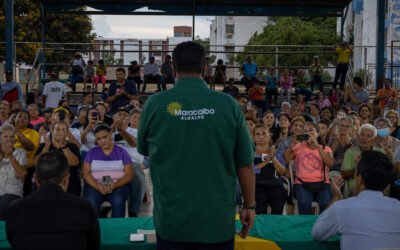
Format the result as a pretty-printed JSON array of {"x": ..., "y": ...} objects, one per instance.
[
  {"x": 366, "y": 139},
  {"x": 385, "y": 140}
]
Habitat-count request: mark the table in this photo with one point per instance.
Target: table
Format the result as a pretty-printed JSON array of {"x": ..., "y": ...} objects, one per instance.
[{"x": 269, "y": 232}]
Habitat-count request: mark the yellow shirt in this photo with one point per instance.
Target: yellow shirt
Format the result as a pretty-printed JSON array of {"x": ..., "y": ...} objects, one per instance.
[
  {"x": 33, "y": 136},
  {"x": 101, "y": 71},
  {"x": 344, "y": 55}
]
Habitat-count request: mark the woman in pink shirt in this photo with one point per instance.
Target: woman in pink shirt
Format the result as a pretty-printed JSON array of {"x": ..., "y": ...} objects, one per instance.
[
  {"x": 33, "y": 110},
  {"x": 313, "y": 161},
  {"x": 286, "y": 82}
]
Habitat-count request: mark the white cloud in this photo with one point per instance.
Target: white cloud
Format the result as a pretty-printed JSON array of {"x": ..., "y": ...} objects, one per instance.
[{"x": 154, "y": 27}]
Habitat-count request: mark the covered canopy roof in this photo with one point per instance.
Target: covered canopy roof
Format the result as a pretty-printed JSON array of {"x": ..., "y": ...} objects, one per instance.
[{"x": 201, "y": 7}]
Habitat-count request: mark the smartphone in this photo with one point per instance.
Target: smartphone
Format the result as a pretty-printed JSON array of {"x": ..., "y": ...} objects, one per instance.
[
  {"x": 302, "y": 137},
  {"x": 61, "y": 114},
  {"x": 340, "y": 115},
  {"x": 95, "y": 115},
  {"x": 249, "y": 106},
  {"x": 106, "y": 180}
]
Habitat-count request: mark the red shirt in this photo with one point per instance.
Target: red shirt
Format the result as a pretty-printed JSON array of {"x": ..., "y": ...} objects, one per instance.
[{"x": 256, "y": 95}]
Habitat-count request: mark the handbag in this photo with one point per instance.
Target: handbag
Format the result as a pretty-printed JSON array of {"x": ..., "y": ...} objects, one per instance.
[
  {"x": 314, "y": 187},
  {"x": 268, "y": 176}
]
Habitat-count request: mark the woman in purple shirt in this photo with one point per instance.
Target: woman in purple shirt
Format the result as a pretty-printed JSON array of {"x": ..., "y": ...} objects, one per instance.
[{"x": 107, "y": 170}]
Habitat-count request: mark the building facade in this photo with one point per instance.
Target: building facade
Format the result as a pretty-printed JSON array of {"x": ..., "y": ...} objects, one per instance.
[{"x": 228, "y": 31}]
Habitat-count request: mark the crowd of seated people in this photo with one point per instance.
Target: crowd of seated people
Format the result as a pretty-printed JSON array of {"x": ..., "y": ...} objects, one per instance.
[{"x": 314, "y": 142}]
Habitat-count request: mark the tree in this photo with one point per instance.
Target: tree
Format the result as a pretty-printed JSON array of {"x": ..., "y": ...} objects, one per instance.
[
  {"x": 206, "y": 44},
  {"x": 109, "y": 59},
  {"x": 58, "y": 28},
  {"x": 294, "y": 31}
]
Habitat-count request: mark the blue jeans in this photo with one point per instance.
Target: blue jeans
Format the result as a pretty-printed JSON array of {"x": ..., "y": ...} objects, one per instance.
[
  {"x": 305, "y": 198},
  {"x": 74, "y": 79},
  {"x": 138, "y": 188},
  {"x": 171, "y": 245},
  {"x": 165, "y": 80},
  {"x": 117, "y": 199},
  {"x": 306, "y": 92}
]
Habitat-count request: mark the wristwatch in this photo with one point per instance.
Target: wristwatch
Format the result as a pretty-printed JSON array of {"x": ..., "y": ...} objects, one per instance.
[{"x": 249, "y": 207}]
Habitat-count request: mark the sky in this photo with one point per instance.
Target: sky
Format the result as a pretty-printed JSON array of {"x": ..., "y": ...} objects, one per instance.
[{"x": 153, "y": 27}]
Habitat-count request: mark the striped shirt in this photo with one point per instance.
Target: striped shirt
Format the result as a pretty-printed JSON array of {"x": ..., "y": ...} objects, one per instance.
[{"x": 107, "y": 165}]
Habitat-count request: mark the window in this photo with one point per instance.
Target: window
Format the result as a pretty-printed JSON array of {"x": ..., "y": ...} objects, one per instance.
[
  {"x": 229, "y": 28},
  {"x": 230, "y": 17},
  {"x": 229, "y": 49},
  {"x": 229, "y": 36}
]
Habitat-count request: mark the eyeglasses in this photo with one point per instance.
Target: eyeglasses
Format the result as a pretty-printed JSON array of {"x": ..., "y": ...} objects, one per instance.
[
  {"x": 381, "y": 126},
  {"x": 345, "y": 126}
]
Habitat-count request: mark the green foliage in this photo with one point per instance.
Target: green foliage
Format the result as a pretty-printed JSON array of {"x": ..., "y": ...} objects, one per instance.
[
  {"x": 206, "y": 44},
  {"x": 294, "y": 31},
  {"x": 326, "y": 77},
  {"x": 365, "y": 75},
  {"x": 109, "y": 59},
  {"x": 58, "y": 28}
]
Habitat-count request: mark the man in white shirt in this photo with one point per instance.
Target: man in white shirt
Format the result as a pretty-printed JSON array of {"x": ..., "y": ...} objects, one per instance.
[
  {"x": 369, "y": 220},
  {"x": 53, "y": 92},
  {"x": 150, "y": 72}
]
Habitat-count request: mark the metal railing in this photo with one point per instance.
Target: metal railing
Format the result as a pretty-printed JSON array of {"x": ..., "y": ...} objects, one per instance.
[{"x": 363, "y": 58}]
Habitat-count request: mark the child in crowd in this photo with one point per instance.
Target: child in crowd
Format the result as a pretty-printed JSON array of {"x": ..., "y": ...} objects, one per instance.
[
  {"x": 321, "y": 100},
  {"x": 89, "y": 74},
  {"x": 286, "y": 82},
  {"x": 87, "y": 100},
  {"x": 88, "y": 89},
  {"x": 16, "y": 105},
  {"x": 300, "y": 101},
  {"x": 101, "y": 73},
  {"x": 333, "y": 98}
]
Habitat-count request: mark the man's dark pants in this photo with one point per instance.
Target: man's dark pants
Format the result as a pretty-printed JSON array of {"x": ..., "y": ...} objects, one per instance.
[
  {"x": 248, "y": 83},
  {"x": 153, "y": 79},
  {"x": 171, "y": 245},
  {"x": 5, "y": 201},
  {"x": 341, "y": 71}
]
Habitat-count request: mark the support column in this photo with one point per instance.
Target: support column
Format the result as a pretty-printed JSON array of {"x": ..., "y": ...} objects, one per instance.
[
  {"x": 380, "y": 45},
  {"x": 42, "y": 16},
  {"x": 9, "y": 22},
  {"x": 193, "y": 18}
]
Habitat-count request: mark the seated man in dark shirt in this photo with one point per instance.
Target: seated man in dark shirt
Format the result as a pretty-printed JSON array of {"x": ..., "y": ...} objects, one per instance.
[
  {"x": 121, "y": 91},
  {"x": 231, "y": 89},
  {"x": 50, "y": 218}
]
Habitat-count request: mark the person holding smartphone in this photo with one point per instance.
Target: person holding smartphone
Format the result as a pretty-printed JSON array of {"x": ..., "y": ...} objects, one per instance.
[
  {"x": 87, "y": 135},
  {"x": 57, "y": 140},
  {"x": 107, "y": 171},
  {"x": 313, "y": 161},
  {"x": 269, "y": 165}
]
